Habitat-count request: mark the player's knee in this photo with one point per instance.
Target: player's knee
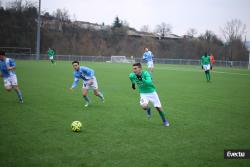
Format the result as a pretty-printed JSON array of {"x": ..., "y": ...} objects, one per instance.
[
  {"x": 159, "y": 109},
  {"x": 8, "y": 89},
  {"x": 96, "y": 93},
  {"x": 144, "y": 106},
  {"x": 85, "y": 93}
]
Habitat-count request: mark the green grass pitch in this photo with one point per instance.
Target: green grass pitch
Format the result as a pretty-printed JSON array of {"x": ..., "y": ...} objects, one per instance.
[{"x": 205, "y": 118}]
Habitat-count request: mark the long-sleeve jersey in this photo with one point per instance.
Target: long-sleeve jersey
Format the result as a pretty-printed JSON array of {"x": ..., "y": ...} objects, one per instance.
[
  {"x": 84, "y": 73},
  {"x": 205, "y": 60},
  {"x": 51, "y": 52},
  {"x": 148, "y": 56},
  {"x": 4, "y": 64},
  {"x": 144, "y": 82}
]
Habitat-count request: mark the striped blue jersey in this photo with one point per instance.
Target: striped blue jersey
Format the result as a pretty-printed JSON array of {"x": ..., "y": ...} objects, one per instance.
[
  {"x": 148, "y": 56},
  {"x": 83, "y": 73},
  {"x": 4, "y": 64}
]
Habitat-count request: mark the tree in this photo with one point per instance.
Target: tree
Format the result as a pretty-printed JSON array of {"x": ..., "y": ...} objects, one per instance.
[
  {"x": 117, "y": 23},
  {"x": 234, "y": 30},
  {"x": 233, "y": 33},
  {"x": 15, "y": 5},
  {"x": 163, "y": 29},
  {"x": 20, "y": 5},
  {"x": 62, "y": 15},
  {"x": 191, "y": 32},
  {"x": 145, "y": 28}
]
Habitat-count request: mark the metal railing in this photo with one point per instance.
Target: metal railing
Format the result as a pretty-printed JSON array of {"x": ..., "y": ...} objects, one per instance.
[{"x": 237, "y": 64}]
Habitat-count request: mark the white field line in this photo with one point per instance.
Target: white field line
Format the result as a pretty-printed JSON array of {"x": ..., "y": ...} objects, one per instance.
[{"x": 194, "y": 70}]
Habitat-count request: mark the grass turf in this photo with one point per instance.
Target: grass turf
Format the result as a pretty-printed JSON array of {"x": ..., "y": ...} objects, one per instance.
[{"x": 205, "y": 118}]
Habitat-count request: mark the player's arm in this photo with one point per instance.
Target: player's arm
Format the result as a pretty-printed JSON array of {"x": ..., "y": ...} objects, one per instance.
[
  {"x": 11, "y": 65},
  {"x": 147, "y": 80},
  {"x": 132, "y": 81},
  {"x": 201, "y": 63},
  {"x": 75, "y": 83},
  {"x": 144, "y": 57}
]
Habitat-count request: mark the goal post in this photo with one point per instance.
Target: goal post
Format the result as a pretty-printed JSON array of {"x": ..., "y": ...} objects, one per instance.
[
  {"x": 247, "y": 45},
  {"x": 121, "y": 59}
]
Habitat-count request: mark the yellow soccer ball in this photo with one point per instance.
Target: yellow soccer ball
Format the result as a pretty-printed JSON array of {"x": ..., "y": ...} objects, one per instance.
[{"x": 76, "y": 126}]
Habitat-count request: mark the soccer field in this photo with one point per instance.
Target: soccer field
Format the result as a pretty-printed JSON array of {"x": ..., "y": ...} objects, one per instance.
[{"x": 205, "y": 118}]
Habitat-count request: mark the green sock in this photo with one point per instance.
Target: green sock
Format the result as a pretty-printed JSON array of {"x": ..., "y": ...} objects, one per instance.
[
  {"x": 206, "y": 75},
  {"x": 161, "y": 113},
  {"x": 19, "y": 94},
  {"x": 86, "y": 98},
  {"x": 209, "y": 76},
  {"x": 100, "y": 95}
]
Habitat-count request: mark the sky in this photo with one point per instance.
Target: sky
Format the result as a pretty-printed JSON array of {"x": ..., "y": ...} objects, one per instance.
[{"x": 181, "y": 14}]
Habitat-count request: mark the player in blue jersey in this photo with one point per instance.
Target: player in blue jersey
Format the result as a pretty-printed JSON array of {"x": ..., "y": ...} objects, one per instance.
[
  {"x": 148, "y": 58},
  {"x": 7, "y": 67},
  {"x": 89, "y": 81}
]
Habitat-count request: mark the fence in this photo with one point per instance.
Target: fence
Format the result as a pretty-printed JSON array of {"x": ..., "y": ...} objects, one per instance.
[{"x": 237, "y": 64}]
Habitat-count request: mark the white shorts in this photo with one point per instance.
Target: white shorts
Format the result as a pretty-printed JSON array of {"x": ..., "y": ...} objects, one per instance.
[
  {"x": 150, "y": 64},
  {"x": 10, "y": 81},
  {"x": 206, "y": 67},
  {"x": 51, "y": 57},
  {"x": 150, "y": 97},
  {"x": 94, "y": 85}
]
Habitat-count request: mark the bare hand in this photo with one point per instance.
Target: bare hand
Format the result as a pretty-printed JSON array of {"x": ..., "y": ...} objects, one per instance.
[{"x": 90, "y": 82}]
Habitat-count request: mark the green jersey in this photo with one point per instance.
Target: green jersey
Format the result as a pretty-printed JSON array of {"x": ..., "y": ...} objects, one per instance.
[
  {"x": 205, "y": 60},
  {"x": 51, "y": 52},
  {"x": 144, "y": 83}
]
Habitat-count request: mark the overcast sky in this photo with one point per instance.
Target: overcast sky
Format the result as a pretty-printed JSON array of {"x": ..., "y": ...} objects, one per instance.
[{"x": 181, "y": 14}]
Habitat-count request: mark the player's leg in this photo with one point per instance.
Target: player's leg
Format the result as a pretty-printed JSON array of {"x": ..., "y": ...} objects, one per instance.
[
  {"x": 205, "y": 70},
  {"x": 151, "y": 70},
  {"x": 19, "y": 93},
  {"x": 7, "y": 84},
  {"x": 208, "y": 72},
  {"x": 85, "y": 91},
  {"x": 51, "y": 59},
  {"x": 150, "y": 66},
  {"x": 96, "y": 91},
  {"x": 99, "y": 94},
  {"x": 13, "y": 81},
  {"x": 144, "y": 104},
  {"x": 154, "y": 98}
]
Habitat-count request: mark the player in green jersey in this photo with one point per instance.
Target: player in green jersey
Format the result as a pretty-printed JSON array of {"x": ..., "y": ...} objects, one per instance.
[
  {"x": 205, "y": 65},
  {"x": 51, "y": 54},
  {"x": 147, "y": 91}
]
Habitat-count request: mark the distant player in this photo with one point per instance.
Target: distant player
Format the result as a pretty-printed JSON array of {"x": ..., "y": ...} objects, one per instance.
[
  {"x": 89, "y": 81},
  {"x": 148, "y": 57},
  {"x": 7, "y": 67},
  {"x": 51, "y": 54},
  {"x": 212, "y": 61},
  {"x": 205, "y": 65},
  {"x": 147, "y": 91}
]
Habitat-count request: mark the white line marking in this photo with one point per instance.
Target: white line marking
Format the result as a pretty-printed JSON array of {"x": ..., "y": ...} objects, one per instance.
[{"x": 193, "y": 70}]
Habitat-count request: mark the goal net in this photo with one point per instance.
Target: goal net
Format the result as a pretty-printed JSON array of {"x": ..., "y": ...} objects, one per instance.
[
  {"x": 120, "y": 59},
  {"x": 16, "y": 50}
]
